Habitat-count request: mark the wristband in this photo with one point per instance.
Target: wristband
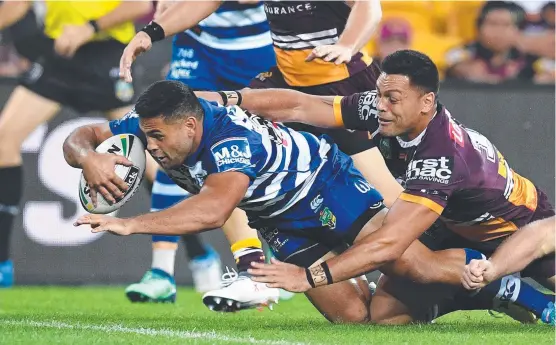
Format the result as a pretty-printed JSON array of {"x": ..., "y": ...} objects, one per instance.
[
  {"x": 231, "y": 97},
  {"x": 94, "y": 24},
  {"x": 155, "y": 31},
  {"x": 319, "y": 275}
]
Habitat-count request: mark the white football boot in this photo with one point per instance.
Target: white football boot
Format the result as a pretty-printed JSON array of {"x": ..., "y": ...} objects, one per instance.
[{"x": 240, "y": 292}]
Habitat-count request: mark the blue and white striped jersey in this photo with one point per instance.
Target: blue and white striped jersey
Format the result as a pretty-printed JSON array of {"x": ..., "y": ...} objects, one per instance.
[
  {"x": 283, "y": 165},
  {"x": 233, "y": 26}
]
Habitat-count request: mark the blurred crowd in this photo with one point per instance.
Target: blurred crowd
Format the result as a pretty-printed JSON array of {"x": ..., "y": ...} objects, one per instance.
[{"x": 477, "y": 41}]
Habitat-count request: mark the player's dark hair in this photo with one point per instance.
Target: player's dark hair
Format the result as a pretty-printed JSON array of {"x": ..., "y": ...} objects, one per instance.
[
  {"x": 170, "y": 99},
  {"x": 418, "y": 67}
]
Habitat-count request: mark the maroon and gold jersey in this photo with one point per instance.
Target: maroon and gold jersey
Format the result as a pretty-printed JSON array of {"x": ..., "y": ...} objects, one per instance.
[
  {"x": 454, "y": 171},
  {"x": 299, "y": 26}
]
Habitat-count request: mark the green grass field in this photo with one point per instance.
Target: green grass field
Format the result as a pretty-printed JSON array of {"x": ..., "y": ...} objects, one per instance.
[{"x": 101, "y": 315}]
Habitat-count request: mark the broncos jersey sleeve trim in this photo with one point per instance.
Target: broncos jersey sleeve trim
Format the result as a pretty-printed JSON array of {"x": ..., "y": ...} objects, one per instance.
[
  {"x": 422, "y": 201},
  {"x": 338, "y": 111}
]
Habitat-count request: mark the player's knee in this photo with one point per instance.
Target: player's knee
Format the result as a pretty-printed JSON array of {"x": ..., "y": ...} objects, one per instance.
[{"x": 354, "y": 313}]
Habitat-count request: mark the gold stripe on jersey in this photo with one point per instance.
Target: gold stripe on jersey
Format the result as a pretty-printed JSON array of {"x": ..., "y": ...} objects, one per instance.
[
  {"x": 523, "y": 193},
  {"x": 485, "y": 231},
  {"x": 61, "y": 13},
  {"x": 338, "y": 111},
  {"x": 422, "y": 201}
]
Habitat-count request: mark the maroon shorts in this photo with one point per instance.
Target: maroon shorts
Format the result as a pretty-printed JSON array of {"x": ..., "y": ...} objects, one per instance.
[{"x": 350, "y": 142}]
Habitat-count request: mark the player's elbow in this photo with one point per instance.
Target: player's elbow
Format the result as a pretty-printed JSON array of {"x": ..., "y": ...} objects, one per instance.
[
  {"x": 389, "y": 251},
  {"x": 216, "y": 218}
]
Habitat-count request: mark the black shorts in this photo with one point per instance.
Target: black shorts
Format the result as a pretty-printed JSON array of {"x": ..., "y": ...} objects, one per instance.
[
  {"x": 350, "y": 142},
  {"x": 88, "y": 81}
]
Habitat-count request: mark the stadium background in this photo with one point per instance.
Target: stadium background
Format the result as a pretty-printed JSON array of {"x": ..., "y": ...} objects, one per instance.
[{"x": 516, "y": 115}]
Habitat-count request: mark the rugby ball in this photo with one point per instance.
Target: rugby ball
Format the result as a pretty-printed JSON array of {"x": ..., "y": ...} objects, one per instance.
[{"x": 129, "y": 146}]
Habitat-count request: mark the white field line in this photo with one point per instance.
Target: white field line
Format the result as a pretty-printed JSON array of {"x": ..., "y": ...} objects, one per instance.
[{"x": 214, "y": 336}]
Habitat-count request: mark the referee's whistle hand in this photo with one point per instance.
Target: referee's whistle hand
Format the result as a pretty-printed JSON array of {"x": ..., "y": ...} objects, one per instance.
[{"x": 138, "y": 45}]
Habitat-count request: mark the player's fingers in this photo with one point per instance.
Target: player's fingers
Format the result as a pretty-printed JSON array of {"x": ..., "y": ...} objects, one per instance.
[
  {"x": 86, "y": 219},
  {"x": 106, "y": 194},
  {"x": 99, "y": 229},
  {"x": 121, "y": 185},
  {"x": 121, "y": 160},
  {"x": 342, "y": 58},
  {"x": 311, "y": 56},
  {"x": 93, "y": 194},
  {"x": 264, "y": 279},
  {"x": 331, "y": 56},
  {"x": 114, "y": 189}
]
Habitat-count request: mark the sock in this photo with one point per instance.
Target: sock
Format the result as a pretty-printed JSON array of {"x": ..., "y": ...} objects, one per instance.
[
  {"x": 11, "y": 183},
  {"x": 247, "y": 251},
  {"x": 194, "y": 247},
  {"x": 164, "y": 259},
  {"x": 511, "y": 289}
]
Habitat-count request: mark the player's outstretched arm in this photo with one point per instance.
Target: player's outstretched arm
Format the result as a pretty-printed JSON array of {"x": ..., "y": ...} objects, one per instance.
[
  {"x": 379, "y": 245},
  {"x": 182, "y": 16},
  {"x": 12, "y": 11},
  {"x": 282, "y": 105},
  {"x": 529, "y": 243},
  {"x": 220, "y": 195}
]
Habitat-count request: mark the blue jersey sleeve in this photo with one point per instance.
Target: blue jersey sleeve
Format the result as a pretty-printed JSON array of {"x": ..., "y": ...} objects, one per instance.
[
  {"x": 128, "y": 124},
  {"x": 237, "y": 148}
]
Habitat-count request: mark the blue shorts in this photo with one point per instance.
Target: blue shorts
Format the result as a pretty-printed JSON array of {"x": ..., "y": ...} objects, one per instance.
[
  {"x": 329, "y": 218},
  {"x": 205, "y": 68}
]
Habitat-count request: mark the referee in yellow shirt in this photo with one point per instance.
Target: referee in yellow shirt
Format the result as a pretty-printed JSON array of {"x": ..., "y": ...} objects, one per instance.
[{"x": 77, "y": 66}]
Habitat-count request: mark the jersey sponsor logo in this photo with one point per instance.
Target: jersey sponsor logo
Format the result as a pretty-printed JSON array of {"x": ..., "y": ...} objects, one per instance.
[
  {"x": 367, "y": 105},
  {"x": 287, "y": 9},
  {"x": 362, "y": 186},
  {"x": 316, "y": 203},
  {"x": 436, "y": 170},
  {"x": 231, "y": 154}
]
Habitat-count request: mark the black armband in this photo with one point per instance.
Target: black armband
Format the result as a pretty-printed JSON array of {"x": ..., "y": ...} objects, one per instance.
[
  {"x": 94, "y": 24},
  {"x": 231, "y": 97},
  {"x": 155, "y": 31},
  {"x": 319, "y": 275}
]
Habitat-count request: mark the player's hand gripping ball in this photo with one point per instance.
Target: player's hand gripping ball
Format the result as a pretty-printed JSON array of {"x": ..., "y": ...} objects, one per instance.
[{"x": 130, "y": 147}]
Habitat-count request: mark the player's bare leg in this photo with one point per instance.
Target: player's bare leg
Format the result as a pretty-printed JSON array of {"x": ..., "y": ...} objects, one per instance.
[
  {"x": 22, "y": 114},
  {"x": 343, "y": 302}
]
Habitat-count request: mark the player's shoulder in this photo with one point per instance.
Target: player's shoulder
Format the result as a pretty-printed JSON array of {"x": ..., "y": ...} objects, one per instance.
[{"x": 443, "y": 148}]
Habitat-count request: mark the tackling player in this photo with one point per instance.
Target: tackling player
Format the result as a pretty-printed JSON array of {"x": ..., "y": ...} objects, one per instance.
[
  {"x": 77, "y": 66},
  {"x": 452, "y": 172},
  {"x": 236, "y": 32}
]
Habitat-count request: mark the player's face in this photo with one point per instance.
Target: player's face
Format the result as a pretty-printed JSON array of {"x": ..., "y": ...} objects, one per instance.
[
  {"x": 401, "y": 106},
  {"x": 170, "y": 142}
]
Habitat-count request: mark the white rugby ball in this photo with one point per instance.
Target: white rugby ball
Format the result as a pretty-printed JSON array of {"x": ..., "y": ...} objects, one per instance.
[{"x": 129, "y": 146}]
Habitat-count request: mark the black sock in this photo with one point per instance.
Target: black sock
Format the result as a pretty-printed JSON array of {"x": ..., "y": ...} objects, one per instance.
[
  {"x": 193, "y": 246},
  {"x": 11, "y": 180}
]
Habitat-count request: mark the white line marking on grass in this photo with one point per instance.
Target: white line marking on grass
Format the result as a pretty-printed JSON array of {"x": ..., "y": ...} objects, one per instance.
[{"x": 148, "y": 331}]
